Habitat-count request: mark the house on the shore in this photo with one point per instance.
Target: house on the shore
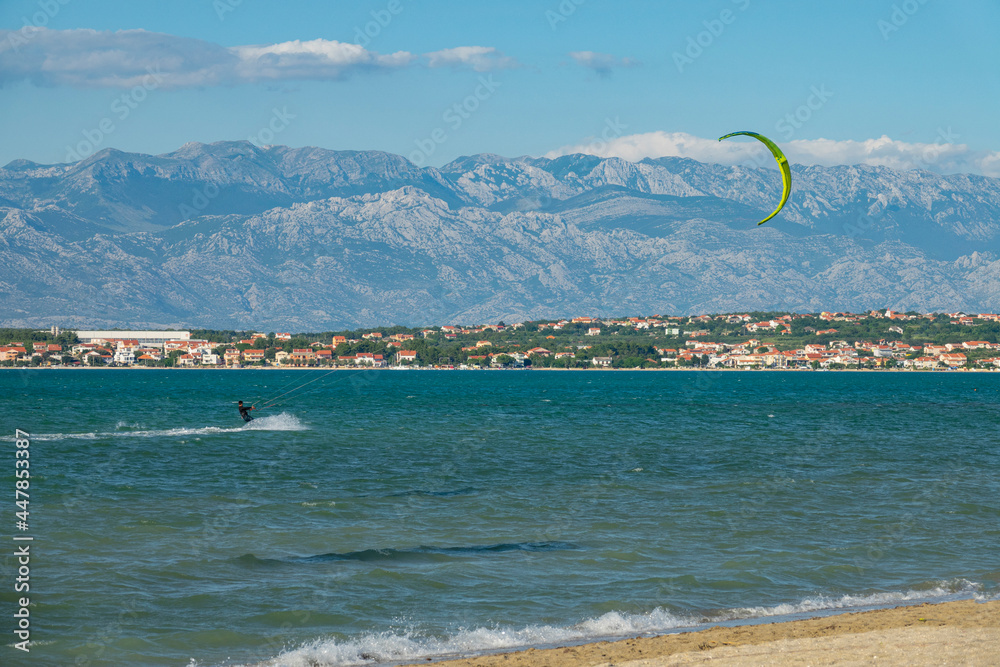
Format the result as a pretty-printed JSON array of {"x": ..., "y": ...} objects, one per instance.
[
  {"x": 124, "y": 356},
  {"x": 302, "y": 357},
  {"x": 11, "y": 353},
  {"x": 954, "y": 359},
  {"x": 370, "y": 359},
  {"x": 253, "y": 356},
  {"x": 922, "y": 363}
]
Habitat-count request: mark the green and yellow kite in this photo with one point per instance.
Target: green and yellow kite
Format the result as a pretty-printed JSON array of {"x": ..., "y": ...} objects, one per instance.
[{"x": 786, "y": 173}]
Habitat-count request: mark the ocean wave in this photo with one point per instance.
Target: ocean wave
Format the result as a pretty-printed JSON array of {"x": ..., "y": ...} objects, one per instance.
[
  {"x": 279, "y": 422},
  {"x": 416, "y": 553},
  {"x": 413, "y": 645},
  {"x": 438, "y": 494},
  {"x": 958, "y": 587}
]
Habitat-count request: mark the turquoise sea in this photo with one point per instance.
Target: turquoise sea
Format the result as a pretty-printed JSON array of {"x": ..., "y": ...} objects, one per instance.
[{"x": 384, "y": 516}]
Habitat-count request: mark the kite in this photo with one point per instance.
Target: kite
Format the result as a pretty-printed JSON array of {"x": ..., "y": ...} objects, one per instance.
[{"x": 786, "y": 173}]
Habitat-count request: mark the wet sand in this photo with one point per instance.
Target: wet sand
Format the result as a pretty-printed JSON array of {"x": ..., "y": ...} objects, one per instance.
[{"x": 953, "y": 633}]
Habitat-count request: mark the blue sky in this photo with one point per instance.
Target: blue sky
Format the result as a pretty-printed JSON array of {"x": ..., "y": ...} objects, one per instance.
[{"x": 907, "y": 84}]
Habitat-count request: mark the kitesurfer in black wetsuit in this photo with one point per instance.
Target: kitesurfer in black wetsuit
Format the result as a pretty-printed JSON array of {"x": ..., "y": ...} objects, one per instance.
[{"x": 245, "y": 412}]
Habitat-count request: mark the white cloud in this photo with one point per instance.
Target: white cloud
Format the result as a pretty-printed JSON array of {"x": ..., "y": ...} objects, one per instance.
[
  {"x": 941, "y": 157},
  {"x": 126, "y": 58},
  {"x": 989, "y": 164},
  {"x": 479, "y": 58},
  {"x": 602, "y": 63},
  {"x": 89, "y": 58},
  {"x": 316, "y": 59}
]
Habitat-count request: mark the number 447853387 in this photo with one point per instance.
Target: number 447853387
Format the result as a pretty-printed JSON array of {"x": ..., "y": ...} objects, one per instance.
[{"x": 21, "y": 486}]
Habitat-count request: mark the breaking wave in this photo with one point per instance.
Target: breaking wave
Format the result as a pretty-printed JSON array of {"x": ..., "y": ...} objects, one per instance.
[{"x": 412, "y": 645}]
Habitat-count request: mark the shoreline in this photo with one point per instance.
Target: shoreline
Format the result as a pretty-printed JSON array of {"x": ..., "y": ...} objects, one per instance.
[
  {"x": 560, "y": 370},
  {"x": 963, "y": 632}
]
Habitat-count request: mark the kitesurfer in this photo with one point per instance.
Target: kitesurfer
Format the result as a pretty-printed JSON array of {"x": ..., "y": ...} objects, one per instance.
[{"x": 245, "y": 412}]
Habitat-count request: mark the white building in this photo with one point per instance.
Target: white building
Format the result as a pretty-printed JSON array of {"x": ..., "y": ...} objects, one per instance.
[
  {"x": 145, "y": 338},
  {"x": 124, "y": 356},
  {"x": 406, "y": 355}
]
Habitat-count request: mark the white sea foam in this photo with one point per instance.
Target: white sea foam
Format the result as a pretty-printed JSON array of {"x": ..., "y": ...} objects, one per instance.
[
  {"x": 412, "y": 645},
  {"x": 958, "y": 588},
  {"x": 279, "y": 422}
]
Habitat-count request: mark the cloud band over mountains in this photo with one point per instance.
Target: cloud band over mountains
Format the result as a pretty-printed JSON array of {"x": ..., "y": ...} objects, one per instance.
[
  {"x": 122, "y": 59},
  {"x": 942, "y": 156}
]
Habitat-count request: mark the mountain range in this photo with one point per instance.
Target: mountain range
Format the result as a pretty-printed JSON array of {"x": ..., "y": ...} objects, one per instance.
[{"x": 233, "y": 235}]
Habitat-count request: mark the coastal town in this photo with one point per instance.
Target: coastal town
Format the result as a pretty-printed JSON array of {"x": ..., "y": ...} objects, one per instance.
[{"x": 827, "y": 340}]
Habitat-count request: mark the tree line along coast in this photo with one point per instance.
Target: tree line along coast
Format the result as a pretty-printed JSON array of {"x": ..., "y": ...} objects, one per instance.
[{"x": 756, "y": 340}]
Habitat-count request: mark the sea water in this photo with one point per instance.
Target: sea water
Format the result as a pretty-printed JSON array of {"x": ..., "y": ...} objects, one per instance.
[{"x": 383, "y": 516}]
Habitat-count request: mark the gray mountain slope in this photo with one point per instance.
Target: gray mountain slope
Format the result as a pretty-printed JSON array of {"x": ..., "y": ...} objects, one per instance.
[{"x": 316, "y": 239}]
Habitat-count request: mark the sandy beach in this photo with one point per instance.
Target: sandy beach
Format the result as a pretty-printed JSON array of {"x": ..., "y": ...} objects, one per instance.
[{"x": 952, "y": 633}]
